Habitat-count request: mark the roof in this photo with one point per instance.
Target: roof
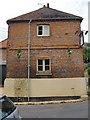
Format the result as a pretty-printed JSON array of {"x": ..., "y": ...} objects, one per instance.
[
  {"x": 45, "y": 13},
  {"x": 3, "y": 44}
]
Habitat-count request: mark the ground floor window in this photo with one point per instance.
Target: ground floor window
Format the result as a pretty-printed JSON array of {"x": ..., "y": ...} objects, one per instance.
[{"x": 43, "y": 65}]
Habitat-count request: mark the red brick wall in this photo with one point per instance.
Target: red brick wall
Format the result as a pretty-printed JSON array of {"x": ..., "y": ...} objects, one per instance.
[
  {"x": 61, "y": 33},
  {"x": 61, "y": 64},
  {"x": 62, "y": 36}
]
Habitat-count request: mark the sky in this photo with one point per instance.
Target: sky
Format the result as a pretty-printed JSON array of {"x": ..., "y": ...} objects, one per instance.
[{"x": 13, "y": 8}]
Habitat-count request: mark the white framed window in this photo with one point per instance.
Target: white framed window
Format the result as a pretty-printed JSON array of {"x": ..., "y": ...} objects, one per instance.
[
  {"x": 43, "y": 65},
  {"x": 43, "y": 30}
]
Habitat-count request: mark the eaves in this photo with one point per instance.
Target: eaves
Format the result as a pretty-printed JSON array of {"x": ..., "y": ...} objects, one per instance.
[{"x": 47, "y": 19}]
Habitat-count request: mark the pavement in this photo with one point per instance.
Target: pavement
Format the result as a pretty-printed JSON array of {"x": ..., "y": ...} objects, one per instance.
[{"x": 49, "y": 102}]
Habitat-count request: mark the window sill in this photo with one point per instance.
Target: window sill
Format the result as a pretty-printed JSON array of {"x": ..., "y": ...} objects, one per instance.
[
  {"x": 43, "y": 35},
  {"x": 44, "y": 73}
]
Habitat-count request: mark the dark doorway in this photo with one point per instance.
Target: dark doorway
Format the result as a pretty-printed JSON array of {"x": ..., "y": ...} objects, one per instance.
[{"x": 2, "y": 74}]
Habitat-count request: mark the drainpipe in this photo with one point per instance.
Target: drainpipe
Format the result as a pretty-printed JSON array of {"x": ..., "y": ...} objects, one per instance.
[
  {"x": 81, "y": 35},
  {"x": 29, "y": 59}
]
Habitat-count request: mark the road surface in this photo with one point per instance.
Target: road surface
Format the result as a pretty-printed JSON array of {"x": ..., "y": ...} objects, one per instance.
[{"x": 65, "y": 110}]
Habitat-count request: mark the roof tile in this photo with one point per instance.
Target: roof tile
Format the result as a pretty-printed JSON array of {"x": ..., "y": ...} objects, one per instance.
[{"x": 45, "y": 13}]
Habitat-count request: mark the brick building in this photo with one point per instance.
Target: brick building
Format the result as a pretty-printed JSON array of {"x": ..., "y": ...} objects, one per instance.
[{"x": 55, "y": 49}]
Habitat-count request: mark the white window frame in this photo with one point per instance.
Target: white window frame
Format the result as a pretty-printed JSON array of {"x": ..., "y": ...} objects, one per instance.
[
  {"x": 43, "y": 30},
  {"x": 43, "y": 65}
]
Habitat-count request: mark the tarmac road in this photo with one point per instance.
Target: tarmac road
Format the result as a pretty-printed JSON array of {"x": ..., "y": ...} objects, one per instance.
[{"x": 65, "y": 110}]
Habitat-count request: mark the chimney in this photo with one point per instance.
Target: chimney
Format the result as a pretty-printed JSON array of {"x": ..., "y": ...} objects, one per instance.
[{"x": 47, "y": 5}]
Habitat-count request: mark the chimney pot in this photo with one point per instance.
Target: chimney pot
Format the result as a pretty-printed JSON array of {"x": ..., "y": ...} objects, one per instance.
[
  {"x": 47, "y": 5},
  {"x": 44, "y": 6}
]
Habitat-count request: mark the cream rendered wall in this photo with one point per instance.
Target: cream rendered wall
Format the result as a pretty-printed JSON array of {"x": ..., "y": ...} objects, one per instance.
[{"x": 45, "y": 87}]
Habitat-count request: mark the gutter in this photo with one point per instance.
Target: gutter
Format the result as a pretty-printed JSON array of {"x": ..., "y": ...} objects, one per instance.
[{"x": 46, "y": 19}]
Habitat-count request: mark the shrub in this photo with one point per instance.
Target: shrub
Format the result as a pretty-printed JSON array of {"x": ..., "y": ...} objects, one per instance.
[{"x": 88, "y": 70}]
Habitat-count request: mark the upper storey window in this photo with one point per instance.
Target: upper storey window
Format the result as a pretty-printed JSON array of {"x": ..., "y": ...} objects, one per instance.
[{"x": 43, "y": 30}]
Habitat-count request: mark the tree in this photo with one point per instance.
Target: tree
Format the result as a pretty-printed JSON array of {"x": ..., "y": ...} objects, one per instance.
[{"x": 86, "y": 52}]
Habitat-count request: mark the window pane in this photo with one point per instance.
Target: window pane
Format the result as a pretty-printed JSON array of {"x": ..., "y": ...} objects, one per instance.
[
  {"x": 40, "y": 65},
  {"x": 40, "y": 68},
  {"x": 46, "y": 29},
  {"x": 40, "y": 62},
  {"x": 39, "y": 30},
  {"x": 46, "y": 68},
  {"x": 47, "y": 62}
]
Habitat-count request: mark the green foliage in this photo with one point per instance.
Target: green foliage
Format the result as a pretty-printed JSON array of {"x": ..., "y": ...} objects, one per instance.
[
  {"x": 88, "y": 44},
  {"x": 86, "y": 52},
  {"x": 88, "y": 70},
  {"x": 19, "y": 53},
  {"x": 69, "y": 52}
]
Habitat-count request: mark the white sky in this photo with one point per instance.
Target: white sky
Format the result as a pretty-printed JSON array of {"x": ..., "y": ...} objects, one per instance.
[{"x": 14, "y": 8}]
